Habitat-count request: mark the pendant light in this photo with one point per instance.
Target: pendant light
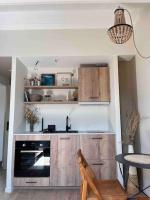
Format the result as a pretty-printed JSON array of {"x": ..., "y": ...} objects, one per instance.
[{"x": 121, "y": 32}]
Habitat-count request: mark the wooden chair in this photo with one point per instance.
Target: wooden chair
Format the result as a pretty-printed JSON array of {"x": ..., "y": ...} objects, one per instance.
[{"x": 93, "y": 189}]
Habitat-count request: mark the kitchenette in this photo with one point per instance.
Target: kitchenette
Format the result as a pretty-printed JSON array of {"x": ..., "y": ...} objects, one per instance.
[{"x": 71, "y": 101}]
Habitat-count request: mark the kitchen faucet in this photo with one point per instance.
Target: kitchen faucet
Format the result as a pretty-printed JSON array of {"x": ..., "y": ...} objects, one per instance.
[{"x": 68, "y": 127}]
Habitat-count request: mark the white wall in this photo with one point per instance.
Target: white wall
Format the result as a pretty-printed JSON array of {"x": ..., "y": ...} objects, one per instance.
[
  {"x": 5, "y": 144},
  {"x": 21, "y": 73},
  {"x": 143, "y": 83},
  {"x": 60, "y": 42},
  {"x": 4, "y": 80},
  {"x": 2, "y": 116},
  {"x": 16, "y": 118}
]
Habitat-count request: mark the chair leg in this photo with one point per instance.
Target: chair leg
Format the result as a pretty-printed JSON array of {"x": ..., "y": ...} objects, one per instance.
[
  {"x": 84, "y": 190},
  {"x": 81, "y": 190}
]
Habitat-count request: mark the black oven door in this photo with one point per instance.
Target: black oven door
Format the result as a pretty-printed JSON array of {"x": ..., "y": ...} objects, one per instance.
[{"x": 32, "y": 159}]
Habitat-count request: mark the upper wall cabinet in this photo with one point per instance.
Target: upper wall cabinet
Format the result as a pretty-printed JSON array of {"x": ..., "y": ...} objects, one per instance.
[{"x": 94, "y": 83}]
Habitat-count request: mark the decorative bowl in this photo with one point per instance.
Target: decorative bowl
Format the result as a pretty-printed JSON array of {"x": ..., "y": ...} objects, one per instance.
[{"x": 35, "y": 97}]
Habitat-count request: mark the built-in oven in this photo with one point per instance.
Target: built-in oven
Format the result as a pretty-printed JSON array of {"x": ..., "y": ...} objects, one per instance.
[{"x": 32, "y": 159}]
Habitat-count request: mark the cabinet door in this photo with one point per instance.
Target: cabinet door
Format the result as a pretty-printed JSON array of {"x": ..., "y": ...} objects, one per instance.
[
  {"x": 90, "y": 146},
  {"x": 94, "y": 84},
  {"x": 98, "y": 146},
  {"x": 104, "y": 169},
  {"x": 85, "y": 84},
  {"x": 104, "y": 81},
  {"x": 107, "y": 147},
  {"x": 89, "y": 87},
  {"x": 53, "y": 160},
  {"x": 68, "y": 173}
]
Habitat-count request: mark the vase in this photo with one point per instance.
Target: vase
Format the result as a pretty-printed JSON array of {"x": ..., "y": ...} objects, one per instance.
[
  {"x": 31, "y": 127},
  {"x": 132, "y": 185}
]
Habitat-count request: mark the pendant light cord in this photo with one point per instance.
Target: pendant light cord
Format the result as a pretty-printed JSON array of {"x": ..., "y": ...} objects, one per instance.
[{"x": 139, "y": 53}]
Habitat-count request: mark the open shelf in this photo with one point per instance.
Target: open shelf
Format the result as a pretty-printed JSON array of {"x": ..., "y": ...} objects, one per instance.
[
  {"x": 51, "y": 87},
  {"x": 51, "y": 102}
]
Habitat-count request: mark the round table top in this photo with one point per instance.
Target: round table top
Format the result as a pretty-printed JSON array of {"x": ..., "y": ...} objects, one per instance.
[{"x": 135, "y": 160}]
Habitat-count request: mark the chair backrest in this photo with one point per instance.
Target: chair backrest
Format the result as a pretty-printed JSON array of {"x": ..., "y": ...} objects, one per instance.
[
  {"x": 88, "y": 175},
  {"x": 83, "y": 162}
]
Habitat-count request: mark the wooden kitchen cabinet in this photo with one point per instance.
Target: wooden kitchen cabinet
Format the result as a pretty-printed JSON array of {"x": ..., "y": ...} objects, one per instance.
[
  {"x": 53, "y": 160},
  {"x": 94, "y": 84},
  {"x": 104, "y": 169},
  {"x": 99, "y": 151},
  {"x": 98, "y": 146},
  {"x": 64, "y": 168},
  {"x": 31, "y": 182}
]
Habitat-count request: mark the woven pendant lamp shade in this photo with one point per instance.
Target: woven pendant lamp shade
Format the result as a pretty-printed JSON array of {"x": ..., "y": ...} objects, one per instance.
[{"x": 120, "y": 32}]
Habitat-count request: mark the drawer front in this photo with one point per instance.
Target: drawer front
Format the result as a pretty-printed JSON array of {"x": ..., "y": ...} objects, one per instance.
[
  {"x": 107, "y": 147},
  {"x": 105, "y": 169},
  {"x": 98, "y": 147},
  {"x": 34, "y": 137},
  {"x": 34, "y": 182}
]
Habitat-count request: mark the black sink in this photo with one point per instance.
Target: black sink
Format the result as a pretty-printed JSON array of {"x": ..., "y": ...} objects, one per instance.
[
  {"x": 70, "y": 131},
  {"x": 61, "y": 131}
]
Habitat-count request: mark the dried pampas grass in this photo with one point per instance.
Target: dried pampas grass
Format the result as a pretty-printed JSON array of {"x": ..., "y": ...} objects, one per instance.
[
  {"x": 132, "y": 122},
  {"x": 31, "y": 115}
]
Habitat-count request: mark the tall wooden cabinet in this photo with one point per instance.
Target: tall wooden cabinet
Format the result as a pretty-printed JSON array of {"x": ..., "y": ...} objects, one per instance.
[{"x": 94, "y": 83}]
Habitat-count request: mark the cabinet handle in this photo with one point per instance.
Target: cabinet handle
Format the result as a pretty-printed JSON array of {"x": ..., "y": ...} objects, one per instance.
[
  {"x": 67, "y": 138},
  {"x": 97, "y": 138},
  {"x": 93, "y": 97},
  {"x": 31, "y": 182},
  {"x": 98, "y": 164}
]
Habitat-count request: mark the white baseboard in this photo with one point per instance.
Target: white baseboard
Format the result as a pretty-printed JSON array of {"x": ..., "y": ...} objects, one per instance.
[{"x": 8, "y": 190}]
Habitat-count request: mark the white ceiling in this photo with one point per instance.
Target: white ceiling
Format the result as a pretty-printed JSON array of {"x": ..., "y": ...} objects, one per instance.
[
  {"x": 23, "y": 2},
  {"x": 69, "y": 14},
  {"x": 63, "y": 61},
  {"x": 5, "y": 67}
]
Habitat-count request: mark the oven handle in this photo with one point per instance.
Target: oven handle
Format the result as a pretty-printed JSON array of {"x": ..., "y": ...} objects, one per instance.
[
  {"x": 31, "y": 151},
  {"x": 31, "y": 181}
]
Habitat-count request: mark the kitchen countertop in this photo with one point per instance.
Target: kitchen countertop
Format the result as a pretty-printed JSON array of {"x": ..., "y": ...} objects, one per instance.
[{"x": 78, "y": 133}]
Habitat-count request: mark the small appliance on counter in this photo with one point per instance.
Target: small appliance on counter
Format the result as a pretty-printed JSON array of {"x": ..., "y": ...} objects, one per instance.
[{"x": 50, "y": 129}]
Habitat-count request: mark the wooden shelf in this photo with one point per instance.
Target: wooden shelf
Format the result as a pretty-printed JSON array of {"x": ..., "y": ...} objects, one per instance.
[
  {"x": 51, "y": 87},
  {"x": 51, "y": 102}
]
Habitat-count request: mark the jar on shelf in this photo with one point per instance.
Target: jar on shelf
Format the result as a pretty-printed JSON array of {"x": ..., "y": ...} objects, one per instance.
[{"x": 47, "y": 97}]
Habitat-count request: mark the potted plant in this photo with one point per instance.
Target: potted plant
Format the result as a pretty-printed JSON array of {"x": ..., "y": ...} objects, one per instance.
[
  {"x": 132, "y": 123},
  {"x": 31, "y": 116}
]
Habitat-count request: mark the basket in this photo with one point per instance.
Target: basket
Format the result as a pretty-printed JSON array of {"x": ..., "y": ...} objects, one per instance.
[{"x": 35, "y": 97}]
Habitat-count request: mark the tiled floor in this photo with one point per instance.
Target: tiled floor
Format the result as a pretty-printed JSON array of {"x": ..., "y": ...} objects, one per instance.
[{"x": 36, "y": 194}]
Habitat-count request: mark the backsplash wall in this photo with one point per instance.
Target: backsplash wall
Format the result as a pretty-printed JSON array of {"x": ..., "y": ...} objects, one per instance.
[{"x": 82, "y": 117}]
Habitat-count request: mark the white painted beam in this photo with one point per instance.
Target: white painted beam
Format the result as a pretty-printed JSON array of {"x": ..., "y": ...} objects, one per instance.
[{"x": 30, "y": 2}]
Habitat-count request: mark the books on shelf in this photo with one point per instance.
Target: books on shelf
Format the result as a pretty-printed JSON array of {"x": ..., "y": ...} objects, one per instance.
[{"x": 26, "y": 96}]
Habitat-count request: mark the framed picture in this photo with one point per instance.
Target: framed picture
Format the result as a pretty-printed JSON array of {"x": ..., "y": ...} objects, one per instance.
[{"x": 64, "y": 78}]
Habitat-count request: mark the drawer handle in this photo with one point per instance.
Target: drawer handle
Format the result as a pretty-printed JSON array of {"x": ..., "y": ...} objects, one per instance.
[
  {"x": 94, "y": 97},
  {"x": 98, "y": 164},
  {"x": 67, "y": 138},
  {"x": 97, "y": 138},
  {"x": 31, "y": 182}
]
